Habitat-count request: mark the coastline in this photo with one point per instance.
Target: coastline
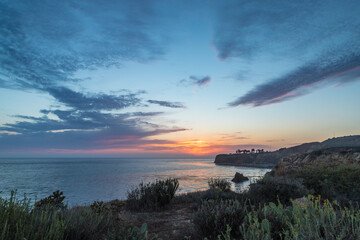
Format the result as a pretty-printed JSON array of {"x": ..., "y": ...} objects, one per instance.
[{"x": 250, "y": 165}]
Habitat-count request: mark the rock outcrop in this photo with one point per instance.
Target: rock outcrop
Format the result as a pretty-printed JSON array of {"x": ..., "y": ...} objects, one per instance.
[
  {"x": 265, "y": 160},
  {"x": 239, "y": 178},
  {"x": 325, "y": 157}
]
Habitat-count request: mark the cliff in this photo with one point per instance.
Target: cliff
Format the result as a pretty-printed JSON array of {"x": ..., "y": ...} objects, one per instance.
[
  {"x": 325, "y": 157},
  {"x": 271, "y": 159},
  {"x": 265, "y": 160}
]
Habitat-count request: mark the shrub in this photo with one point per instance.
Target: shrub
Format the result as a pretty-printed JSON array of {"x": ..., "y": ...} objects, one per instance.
[
  {"x": 152, "y": 195},
  {"x": 220, "y": 184},
  {"x": 216, "y": 194},
  {"x": 84, "y": 223},
  {"x": 313, "y": 220},
  {"x": 215, "y": 217},
  {"x": 340, "y": 182},
  {"x": 132, "y": 233},
  {"x": 274, "y": 189},
  {"x": 100, "y": 207},
  {"x": 55, "y": 202},
  {"x": 19, "y": 222}
]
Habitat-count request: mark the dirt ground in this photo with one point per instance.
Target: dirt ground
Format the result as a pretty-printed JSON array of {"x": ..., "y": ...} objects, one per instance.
[{"x": 171, "y": 223}]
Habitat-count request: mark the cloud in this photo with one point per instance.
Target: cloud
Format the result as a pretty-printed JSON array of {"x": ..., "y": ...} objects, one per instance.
[
  {"x": 303, "y": 80},
  {"x": 250, "y": 28},
  {"x": 84, "y": 126},
  {"x": 167, "y": 104},
  {"x": 82, "y": 101},
  {"x": 322, "y": 37},
  {"x": 196, "y": 80},
  {"x": 43, "y": 44},
  {"x": 80, "y": 130}
]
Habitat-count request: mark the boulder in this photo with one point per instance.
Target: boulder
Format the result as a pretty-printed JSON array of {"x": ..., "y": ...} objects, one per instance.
[{"x": 239, "y": 177}]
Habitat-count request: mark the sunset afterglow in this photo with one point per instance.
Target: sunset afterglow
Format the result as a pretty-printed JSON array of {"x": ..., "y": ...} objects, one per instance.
[{"x": 174, "y": 78}]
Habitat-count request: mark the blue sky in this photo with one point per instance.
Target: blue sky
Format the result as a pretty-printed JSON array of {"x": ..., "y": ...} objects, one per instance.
[{"x": 175, "y": 78}]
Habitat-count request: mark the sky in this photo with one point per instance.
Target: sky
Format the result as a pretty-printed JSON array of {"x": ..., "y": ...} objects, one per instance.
[{"x": 175, "y": 78}]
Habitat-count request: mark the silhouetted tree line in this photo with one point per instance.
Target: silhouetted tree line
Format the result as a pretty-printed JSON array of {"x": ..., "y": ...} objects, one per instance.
[{"x": 246, "y": 151}]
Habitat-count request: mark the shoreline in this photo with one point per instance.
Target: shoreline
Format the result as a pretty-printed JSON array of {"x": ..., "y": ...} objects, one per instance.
[{"x": 250, "y": 165}]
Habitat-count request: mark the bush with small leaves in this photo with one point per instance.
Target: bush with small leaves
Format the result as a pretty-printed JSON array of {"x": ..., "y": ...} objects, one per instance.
[
  {"x": 100, "y": 207},
  {"x": 55, "y": 202},
  {"x": 220, "y": 184},
  {"x": 214, "y": 217},
  {"x": 216, "y": 194},
  {"x": 84, "y": 223},
  {"x": 274, "y": 189},
  {"x": 314, "y": 220},
  {"x": 341, "y": 182},
  {"x": 152, "y": 195}
]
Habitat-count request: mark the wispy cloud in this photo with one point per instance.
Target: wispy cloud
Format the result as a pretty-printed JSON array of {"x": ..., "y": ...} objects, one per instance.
[
  {"x": 43, "y": 44},
  {"x": 82, "y": 101},
  {"x": 196, "y": 80},
  {"x": 80, "y": 130},
  {"x": 167, "y": 104},
  {"x": 321, "y": 36},
  {"x": 302, "y": 80}
]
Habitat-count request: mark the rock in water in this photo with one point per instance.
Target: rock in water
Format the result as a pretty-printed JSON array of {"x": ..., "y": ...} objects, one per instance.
[{"x": 238, "y": 178}]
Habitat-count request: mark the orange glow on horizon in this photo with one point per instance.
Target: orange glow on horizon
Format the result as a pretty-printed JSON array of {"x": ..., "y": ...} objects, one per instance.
[{"x": 130, "y": 145}]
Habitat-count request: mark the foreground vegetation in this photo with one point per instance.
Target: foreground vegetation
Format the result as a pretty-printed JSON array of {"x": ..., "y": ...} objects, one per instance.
[
  {"x": 299, "y": 206},
  {"x": 49, "y": 219}
]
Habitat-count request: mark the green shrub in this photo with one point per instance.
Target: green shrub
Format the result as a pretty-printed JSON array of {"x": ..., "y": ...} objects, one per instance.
[
  {"x": 132, "y": 233},
  {"x": 55, "y": 202},
  {"x": 152, "y": 195},
  {"x": 18, "y": 221},
  {"x": 216, "y": 194},
  {"x": 274, "y": 189},
  {"x": 190, "y": 197},
  {"x": 220, "y": 184},
  {"x": 340, "y": 182},
  {"x": 84, "y": 223},
  {"x": 215, "y": 217},
  {"x": 100, "y": 207},
  {"x": 313, "y": 220}
]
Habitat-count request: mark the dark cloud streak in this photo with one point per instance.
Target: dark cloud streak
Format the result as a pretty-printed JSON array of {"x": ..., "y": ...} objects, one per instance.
[
  {"x": 81, "y": 130},
  {"x": 302, "y": 81},
  {"x": 93, "y": 102},
  {"x": 167, "y": 104},
  {"x": 196, "y": 80}
]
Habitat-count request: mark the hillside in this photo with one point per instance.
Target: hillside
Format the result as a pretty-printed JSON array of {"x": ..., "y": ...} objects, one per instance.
[
  {"x": 325, "y": 157},
  {"x": 271, "y": 159}
]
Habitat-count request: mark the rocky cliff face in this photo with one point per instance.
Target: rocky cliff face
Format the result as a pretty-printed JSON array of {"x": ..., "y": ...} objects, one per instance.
[
  {"x": 271, "y": 159},
  {"x": 265, "y": 160},
  {"x": 328, "y": 157}
]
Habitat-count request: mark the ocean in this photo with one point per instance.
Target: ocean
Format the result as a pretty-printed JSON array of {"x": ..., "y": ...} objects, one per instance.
[{"x": 84, "y": 180}]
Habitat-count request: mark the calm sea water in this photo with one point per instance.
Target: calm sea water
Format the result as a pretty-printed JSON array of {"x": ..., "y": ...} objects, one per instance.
[{"x": 85, "y": 180}]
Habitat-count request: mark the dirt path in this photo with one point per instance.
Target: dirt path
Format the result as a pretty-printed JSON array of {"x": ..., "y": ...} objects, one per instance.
[{"x": 174, "y": 222}]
